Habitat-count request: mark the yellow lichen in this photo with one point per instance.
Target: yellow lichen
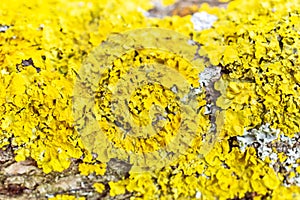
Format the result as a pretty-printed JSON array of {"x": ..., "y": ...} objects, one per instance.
[
  {"x": 86, "y": 169},
  {"x": 256, "y": 43},
  {"x": 117, "y": 188},
  {"x": 99, "y": 187}
]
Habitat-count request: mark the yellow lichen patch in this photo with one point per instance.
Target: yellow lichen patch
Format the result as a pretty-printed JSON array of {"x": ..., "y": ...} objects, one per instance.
[
  {"x": 99, "y": 187},
  {"x": 86, "y": 169},
  {"x": 270, "y": 180},
  {"x": 256, "y": 43},
  {"x": 147, "y": 94},
  {"x": 261, "y": 50},
  {"x": 142, "y": 184},
  {"x": 39, "y": 59},
  {"x": 287, "y": 193},
  {"x": 117, "y": 188},
  {"x": 168, "y": 2},
  {"x": 141, "y": 101}
]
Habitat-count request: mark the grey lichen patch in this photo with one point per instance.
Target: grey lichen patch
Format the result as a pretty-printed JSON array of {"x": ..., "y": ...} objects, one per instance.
[{"x": 281, "y": 152}]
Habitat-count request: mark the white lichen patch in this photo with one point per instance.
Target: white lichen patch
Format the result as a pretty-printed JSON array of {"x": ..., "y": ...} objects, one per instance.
[
  {"x": 3, "y": 28},
  {"x": 262, "y": 136},
  {"x": 209, "y": 75},
  {"x": 282, "y": 152},
  {"x": 203, "y": 20},
  {"x": 4, "y": 72}
]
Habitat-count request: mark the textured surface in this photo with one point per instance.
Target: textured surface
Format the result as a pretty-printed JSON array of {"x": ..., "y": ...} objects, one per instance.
[{"x": 253, "y": 45}]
